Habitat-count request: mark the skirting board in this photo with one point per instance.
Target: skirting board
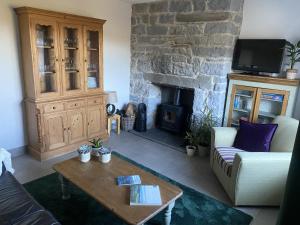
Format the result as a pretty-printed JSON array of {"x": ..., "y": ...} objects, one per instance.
[{"x": 15, "y": 152}]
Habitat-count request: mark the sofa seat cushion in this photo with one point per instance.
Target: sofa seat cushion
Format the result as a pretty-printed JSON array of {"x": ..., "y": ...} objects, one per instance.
[
  {"x": 224, "y": 156},
  {"x": 15, "y": 202}
]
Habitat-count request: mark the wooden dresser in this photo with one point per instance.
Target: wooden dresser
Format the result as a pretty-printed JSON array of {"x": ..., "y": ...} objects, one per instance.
[{"x": 62, "y": 57}]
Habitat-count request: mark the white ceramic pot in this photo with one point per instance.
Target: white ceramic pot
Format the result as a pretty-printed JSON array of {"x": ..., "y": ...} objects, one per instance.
[
  {"x": 105, "y": 158},
  {"x": 190, "y": 150},
  {"x": 291, "y": 74},
  {"x": 202, "y": 150},
  {"x": 95, "y": 152},
  {"x": 85, "y": 157}
]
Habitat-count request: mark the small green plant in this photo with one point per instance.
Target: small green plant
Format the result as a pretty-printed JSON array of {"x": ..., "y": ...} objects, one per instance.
[
  {"x": 200, "y": 127},
  {"x": 293, "y": 52},
  {"x": 97, "y": 143}
]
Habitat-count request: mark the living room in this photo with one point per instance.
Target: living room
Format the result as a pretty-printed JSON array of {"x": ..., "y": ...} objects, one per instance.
[{"x": 141, "y": 61}]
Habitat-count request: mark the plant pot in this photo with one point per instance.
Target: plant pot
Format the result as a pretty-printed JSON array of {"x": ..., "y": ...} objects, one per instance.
[
  {"x": 105, "y": 158},
  {"x": 95, "y": 152},
  {"x": 203, "y": 150},
  {"x": 190, "y": 150},
  {"x": 291, "y": 74},
  {"x": 85, "y": 157}
]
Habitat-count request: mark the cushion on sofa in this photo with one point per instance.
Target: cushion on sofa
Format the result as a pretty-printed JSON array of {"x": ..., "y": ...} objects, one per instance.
[
  {"x": 225, "y": 156},
  {"x": 254, "y": 137}
]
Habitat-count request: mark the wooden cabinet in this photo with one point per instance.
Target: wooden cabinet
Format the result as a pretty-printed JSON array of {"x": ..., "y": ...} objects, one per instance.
[
  {"x": 259, "y": 99},
  {"x": 62, "y": 58}
]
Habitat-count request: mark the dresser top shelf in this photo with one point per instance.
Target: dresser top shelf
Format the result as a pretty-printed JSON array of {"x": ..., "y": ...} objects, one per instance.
[{"x": 264, "y": 79}]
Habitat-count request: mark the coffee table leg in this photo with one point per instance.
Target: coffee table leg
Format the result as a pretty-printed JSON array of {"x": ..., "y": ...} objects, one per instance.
[
  {"x": 168, "y": 213},
  {"x": 64, "y": 183}
]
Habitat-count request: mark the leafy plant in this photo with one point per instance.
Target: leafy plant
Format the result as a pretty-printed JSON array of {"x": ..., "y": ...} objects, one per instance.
[
  {"x": 200, "y": 127},
  {"x": 293, "y": 52},
  {"x": 97, "y": 143}
]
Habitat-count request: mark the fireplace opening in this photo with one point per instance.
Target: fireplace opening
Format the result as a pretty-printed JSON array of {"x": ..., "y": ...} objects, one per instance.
[{"x": 175, "y": 109}]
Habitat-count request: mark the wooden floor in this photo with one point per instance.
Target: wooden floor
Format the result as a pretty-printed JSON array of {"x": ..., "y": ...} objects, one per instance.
[{"x": 194, "y": 172}]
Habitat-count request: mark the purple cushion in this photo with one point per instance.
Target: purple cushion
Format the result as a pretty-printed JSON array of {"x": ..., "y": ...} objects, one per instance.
[{"x": 254, "y": 137}]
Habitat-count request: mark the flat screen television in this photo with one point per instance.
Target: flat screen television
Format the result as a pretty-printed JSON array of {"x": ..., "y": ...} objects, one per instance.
[{"x": 259, "y": 55}]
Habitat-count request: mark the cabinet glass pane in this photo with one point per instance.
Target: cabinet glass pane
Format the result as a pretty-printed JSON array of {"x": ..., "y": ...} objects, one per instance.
[
  {"x": 46, "y": 58},
  {"x": 72, "y": 59},
  {"x": 270, "y": 107},
  {"x": 242, "y": 106},
  {"x": 93, "y": 59}
]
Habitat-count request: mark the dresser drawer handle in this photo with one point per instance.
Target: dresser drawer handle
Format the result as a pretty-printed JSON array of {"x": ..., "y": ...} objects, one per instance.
[
  {"x": 53, "y": 107},
  {"x": 95, "y": 101},
  {"x": 75, "y": 104}
]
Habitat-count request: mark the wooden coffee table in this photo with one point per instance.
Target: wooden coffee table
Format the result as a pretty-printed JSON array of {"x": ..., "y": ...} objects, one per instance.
[{"x": 99, "y": 181}]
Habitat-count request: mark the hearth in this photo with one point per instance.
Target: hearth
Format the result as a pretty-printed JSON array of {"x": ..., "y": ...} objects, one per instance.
[{"x": 171, "y": 117}]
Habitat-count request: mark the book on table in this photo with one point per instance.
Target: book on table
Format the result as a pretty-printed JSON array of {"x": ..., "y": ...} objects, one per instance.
[
  {"x": 128, "y": 180},
  {"x": 145, "y": 195}
]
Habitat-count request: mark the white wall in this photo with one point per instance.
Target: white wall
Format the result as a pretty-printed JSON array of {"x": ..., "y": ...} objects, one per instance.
[
  {"x": 116, "y": 56},
  {"x": 272, "y": 19}
]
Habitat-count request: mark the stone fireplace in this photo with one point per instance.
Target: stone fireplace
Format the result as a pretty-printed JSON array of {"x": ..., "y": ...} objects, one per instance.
[{"x": 186, "y": 44}]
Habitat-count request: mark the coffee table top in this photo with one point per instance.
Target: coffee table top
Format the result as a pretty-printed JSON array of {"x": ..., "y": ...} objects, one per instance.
[{"x": 99, "y": 181}]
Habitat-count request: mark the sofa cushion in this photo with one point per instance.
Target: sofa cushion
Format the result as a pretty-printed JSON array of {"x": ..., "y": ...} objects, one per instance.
[
  {"x": 254, "y": 137},
  {"x": 225, "y": 156},
  {"x": 15, "y": 202}
]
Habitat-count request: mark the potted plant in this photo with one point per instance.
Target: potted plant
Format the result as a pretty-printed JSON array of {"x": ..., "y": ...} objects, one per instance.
[
  {"x": 97, "y": 144},
  {"x": 105, "y": 155},
  {"x": 293, "y": 53},
  {"x": 192, "y": 139},
  {"x": 84, "y": 153},
  {"x": 206, "y": 121}
]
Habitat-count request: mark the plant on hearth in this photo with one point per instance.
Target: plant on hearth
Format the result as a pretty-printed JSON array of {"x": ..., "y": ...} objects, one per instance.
[{"x": 293, "y": 53}]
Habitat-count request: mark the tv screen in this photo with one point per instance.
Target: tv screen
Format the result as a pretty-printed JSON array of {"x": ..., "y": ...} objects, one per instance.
[{"x": 258, "y": 55}]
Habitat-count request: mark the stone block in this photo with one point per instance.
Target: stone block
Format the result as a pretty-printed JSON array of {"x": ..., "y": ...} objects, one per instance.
[
  {"x": 161, "y": 64},
  {"x": 153, "y": 19},
  {"x": 167, "y": 19},
  {"x": 138, "y": 29},
  {"x": 145, "y": 19},
  {"x": 203, "y": 17},
  {"x": 238, "y": 18},
  {"x": 220, "y": 87},
  {"x": 180, "y": 6},
  {"x": 158, "y": 7},
  {"x": 183, "y": 69},
  {"x": 179, "y": 58},
  {"x": 197, "y": 63},
  {"x": 140, "y": 8},
  {"x": 224, "y": 40},
  {"x": 133, "y": 21},
  {"x": 205, "y": 82},
  {"x": 199, "y": 5},
  {"x": 212, "y": 68},
  {"x": 212, "y": 52},
  {"x": 221, "y": 27},
  {"x": 218, "y": 5},
  {"x": 157, "y": 30},
  {"x": 236, "y": 5}
]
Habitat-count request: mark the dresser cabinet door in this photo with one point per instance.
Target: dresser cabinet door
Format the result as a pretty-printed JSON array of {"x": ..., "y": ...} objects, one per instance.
[
  {"x": 96, "y": 123},
  {"x": 77, "y": 125},
  {"x": 56, "y": 135}
]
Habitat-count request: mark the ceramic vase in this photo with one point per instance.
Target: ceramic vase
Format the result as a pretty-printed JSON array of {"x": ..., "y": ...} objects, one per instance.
[
  {"x": 190, "y": 150},
  {"x": 85, "y": 157},
  {"x": 291, "y": 74},
  {"x": 105, "y": 158}
]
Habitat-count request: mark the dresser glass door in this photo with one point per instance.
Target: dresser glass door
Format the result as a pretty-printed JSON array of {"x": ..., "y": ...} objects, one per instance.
[
  {"x": 46, "y": 52},
  {"x": 71, "y": 58},
  {"x": 92, "y": 59}
]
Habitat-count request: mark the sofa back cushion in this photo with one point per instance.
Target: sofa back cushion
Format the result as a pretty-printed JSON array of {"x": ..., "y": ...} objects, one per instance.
[
  {"x": 285, "y": 135},
  {"x": 254, "y": 137}
]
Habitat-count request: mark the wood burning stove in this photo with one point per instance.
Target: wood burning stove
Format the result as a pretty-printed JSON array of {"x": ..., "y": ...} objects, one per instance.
[{"x": 172, "y": 116}]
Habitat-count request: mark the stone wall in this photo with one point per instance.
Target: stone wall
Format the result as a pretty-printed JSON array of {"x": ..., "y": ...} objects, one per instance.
[{"x": 186, "y": 43}]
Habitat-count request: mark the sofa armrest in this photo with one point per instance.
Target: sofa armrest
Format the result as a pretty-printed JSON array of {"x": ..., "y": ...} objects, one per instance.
[
  {"x": 259, "y": 177},
  {"x": 223, "y": 136}
]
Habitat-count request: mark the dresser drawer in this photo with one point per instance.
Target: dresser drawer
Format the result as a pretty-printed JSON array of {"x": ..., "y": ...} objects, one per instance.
[
  {"x": 95, "y": 101},
  {"x": 53, "y": 107},
  {"x": 75, "y": 104}
]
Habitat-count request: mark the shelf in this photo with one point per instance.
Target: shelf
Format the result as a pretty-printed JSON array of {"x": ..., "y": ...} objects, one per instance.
[
  {"x": 241, "y": 110},
  {"x": 71, "y": 48},
  {"x": 92, "y": 71},
  {"x": 44, "y": 46},
  {"x": 71, "y": 71},
  {"x": 271, "y": 100},
  {"x": 92, "y": 49},
  {"x": 47, "y": 72},
  {"x": 244, "y": 96},
  {"x": 267, "y": 114}
]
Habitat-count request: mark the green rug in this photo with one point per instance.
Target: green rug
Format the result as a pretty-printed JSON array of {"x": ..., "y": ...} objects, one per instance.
[{"x": 193, "y": 208}]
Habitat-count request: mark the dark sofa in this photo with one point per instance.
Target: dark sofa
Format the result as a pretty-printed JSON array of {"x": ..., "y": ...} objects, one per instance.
[{"x": 17, "y": 207}]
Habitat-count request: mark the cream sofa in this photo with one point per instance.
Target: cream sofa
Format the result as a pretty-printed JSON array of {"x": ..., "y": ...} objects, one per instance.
[{"x": 257, "y": 178}]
